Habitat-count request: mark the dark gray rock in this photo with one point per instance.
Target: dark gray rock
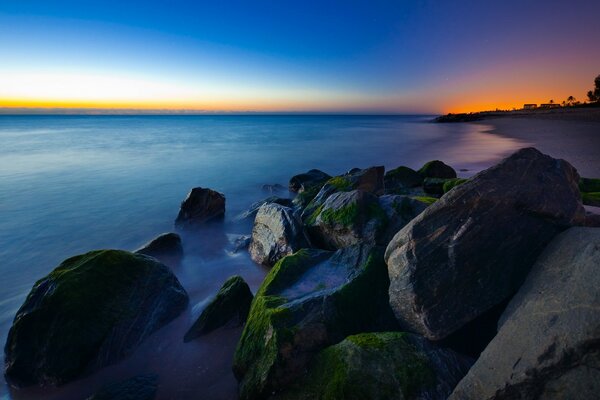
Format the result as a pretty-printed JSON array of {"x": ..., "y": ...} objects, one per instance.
[
  {"x": 277, "y": 232},
  {"x": 308, "y": 301},
  {"x": 308, "y": 180},
  {"x": 399, "y": 210},
  {"x": 230, "y": 305},
  {"x": 437, "y": 169},
  {"x": 143, "y": 387},
  {"x": 434, "y": 186},
  {"x": 548, "y": 343},
  {"x": 166, "y": 248},
  {"x": 381, "y": 366},
  {"x": 346, "y": 219},
  {"x": 402, "y": 178},
  {"x": 91, "y": 311},
  {"x": 200, "y": 206},
  {"x": 472, "y": 249}
]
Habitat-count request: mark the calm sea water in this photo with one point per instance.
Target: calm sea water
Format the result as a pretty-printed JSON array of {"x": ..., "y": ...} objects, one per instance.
[{"x": 70, "y": 184}]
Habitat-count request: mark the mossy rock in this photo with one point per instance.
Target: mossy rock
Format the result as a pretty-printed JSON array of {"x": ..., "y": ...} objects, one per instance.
[
  {"x": 451, "y": 183},
  {"x": 346, "y": 219},
  {"x": 425, "y": 199},
  {"x": 434, "y": 186},
  {"x": 308, "y": 180},
  {"x": 380, "y": 366},
  {"x": 231, "y": 304},
  {"x": 437, "y": 169},
  {"x": 402, "y": 178},
  {"x": 591, "y": 199},
  {"x": 308, "y": 301},
  {"x": 91, "y": 311},
  {"x": 589, "y": 184}
]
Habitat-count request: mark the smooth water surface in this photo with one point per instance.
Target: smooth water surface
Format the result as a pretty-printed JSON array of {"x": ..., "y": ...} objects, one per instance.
[{"x": 70, "y": 184}]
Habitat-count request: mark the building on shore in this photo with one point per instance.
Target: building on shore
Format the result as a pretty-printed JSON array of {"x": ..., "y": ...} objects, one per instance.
[
  {"x": 529, "y": 106},
  {"x": 550, "y": 105}
]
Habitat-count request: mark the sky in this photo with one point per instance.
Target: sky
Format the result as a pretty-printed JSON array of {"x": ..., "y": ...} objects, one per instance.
[{"x": 295, "y": 56}]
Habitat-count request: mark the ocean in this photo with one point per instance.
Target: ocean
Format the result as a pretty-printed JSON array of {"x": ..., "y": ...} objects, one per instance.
[{"x": 70, "y": 184}]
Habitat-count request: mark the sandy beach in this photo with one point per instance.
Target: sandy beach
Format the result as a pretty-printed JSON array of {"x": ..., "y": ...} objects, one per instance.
[{"x": 576, "y": 140}]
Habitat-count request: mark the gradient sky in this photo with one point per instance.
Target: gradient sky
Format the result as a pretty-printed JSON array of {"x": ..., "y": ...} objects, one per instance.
[{"x": 277, "y": 55}]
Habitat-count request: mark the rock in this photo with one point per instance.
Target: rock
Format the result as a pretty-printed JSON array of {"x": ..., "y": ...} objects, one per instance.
[
  {"x": 548, "y": 343},
  {"x": 241, "y": 242},
  {"x": 231, "y": 304},
  {"x": 308, "y": 301},
  {"x": 251, "y": 212},
  {"x": 399, "y": 210},
  {"x": 591, "y": 198},
  {"x": 451, "y": 183},
  {"x": 402, "y": 178},
  {"x": 277, "y": 232},
  {"x": 591, "y": 220},
  {"x": 91, "y": 311},
  {"x": 472, "y": 248},
  {"x": 143, "y": 387},
  {"x": 166, "y": 248},
  {"x": 434, "y": 186},
  {"x": 302, "y": 182},
  {"x": 273, "y": 188},
  {"x": 437, "y": 169},
  {"x": 200, "y": 206},
  {"x": 589, "y": 185},
  {"x": 367, "y": 180},
  {"x": 347, "y": 218},
  {"x": 381, "y": 366}
]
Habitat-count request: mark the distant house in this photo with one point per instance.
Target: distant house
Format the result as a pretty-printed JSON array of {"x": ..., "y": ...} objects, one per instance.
[
  {"x": 529, "y": 106},
  {"x": 549, "y": 105}
]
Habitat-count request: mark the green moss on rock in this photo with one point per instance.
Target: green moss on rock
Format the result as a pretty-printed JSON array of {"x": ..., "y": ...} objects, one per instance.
[
  {"x": 402, "y": 177},
  {"x": 345, "y": 216},
  {"x": 340, "y": 183},
  {"x": 451, "y": 183},
  {"x": 589, "y": 184},
  {"x": 437, "y": 169},
  {"x": 591, "y": 199},
  {"x": 425, "y": 199}
]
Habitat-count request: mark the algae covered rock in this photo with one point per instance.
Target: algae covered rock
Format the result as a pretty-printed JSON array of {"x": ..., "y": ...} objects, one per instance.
[
  {"x": 143, "y": 387},
  {"x": 589, "y": 184},
  {"x": 166, "y": 248},
  {"x": 548, "y": 341},
  {"x": 200, "y": 206},
  {"x": 91, "y": 311},
  {"x": 452, "y": 183},
  {"x": 231, "y": 304},
  {"x": 434, "y": 186},
  {"x": 472, "y": 249},
  {"x": 277, "y": 232},
  {"x": 381, "y": 366},
  {"x": 308, "y": 301},
  {"x": 591, "y": 198},
  {"x": 437, "y": 169},
  {"x": 308, "y": 180},
  {"x": 347, "y": 218},
  {"x": 402, "y": 178}
]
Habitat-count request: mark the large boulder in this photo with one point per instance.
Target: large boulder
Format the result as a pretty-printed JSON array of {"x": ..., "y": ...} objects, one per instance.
[
  {"x": 200, "y": 206},
  {"x": 472, "y": 249},
  {"x": 437, "y": 169},
  {"x": 231, "y": 304},
  {"x": 142, "y": 387},
  {"x": 548, "y": 343},
  {"x": 166, "y": 248},
  {"x": 91, "y": 311},
  {"x": 381, "y": 366},
  {"x": 366, "y": 180},
  {"x": 250, "y": 213},
  {"x": 307, "y": 180},
  {"x": 347, "y": 218},
  {"x": 399, "y": 210},
  {"x": 277, "y": 232},
  {"x": 308, "y": 301}
]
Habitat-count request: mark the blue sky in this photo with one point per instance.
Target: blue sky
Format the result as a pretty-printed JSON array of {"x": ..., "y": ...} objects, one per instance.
[{"x": 381, "y": 56}]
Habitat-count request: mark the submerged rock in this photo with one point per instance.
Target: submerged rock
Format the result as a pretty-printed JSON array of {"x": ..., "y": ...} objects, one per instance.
[
  {"x": 548, "y": 343},
  {"x": 277, "y": 232},
  {"x": 200, "y": 206},
  {"x": 308, "y": 301},
  {"x": 381, "y": 366},
  {"x": 91, "y": 311},
  {"x": 472, "y": 249},
  {"x": 166, "y": 248},
  {"x": 308, "y": 180},
  {"x": 347, "y": 218},
  {"x": 437, "y": 169},
  {"x": 231, "y": 304},
  {"x": 143, "y": 387}
]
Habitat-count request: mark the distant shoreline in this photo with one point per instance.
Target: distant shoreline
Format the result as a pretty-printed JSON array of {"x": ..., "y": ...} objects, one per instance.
[{"x": 588, "y": 112}]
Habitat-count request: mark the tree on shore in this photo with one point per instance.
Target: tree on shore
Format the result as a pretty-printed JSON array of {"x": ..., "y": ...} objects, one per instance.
[
  {"x": 570, "y": 100},
  {"x": 594, "y": 95}
]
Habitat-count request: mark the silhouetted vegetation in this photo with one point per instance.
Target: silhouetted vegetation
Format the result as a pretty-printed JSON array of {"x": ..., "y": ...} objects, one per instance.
[{"x": 594, "y": 95}]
